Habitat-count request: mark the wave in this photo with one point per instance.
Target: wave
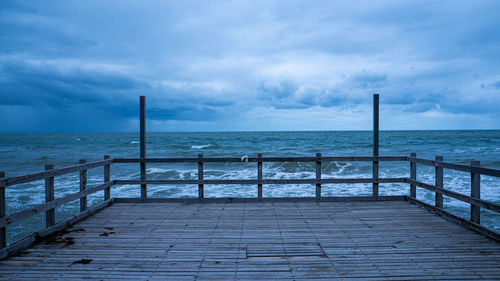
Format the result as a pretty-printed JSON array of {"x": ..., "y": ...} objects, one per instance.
[
  {"x": 200, "y": 146},
  {"x": 134, "y": 142}
]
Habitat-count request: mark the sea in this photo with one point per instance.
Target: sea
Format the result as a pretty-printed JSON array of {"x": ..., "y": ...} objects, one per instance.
[{"x": 22, "y": 154}]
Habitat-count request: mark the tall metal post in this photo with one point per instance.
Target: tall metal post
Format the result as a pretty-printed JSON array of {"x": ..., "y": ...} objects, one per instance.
[
  {"x": 375, "y": 142},
  {"x": 144, "y": 189}
]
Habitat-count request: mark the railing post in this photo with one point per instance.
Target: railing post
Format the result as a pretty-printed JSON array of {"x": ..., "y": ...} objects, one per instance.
[
  {"x": 318, "y": 175},
  {"x": 475, "y": 191},
  {"x": 259, "y": 175},
  {"x": 107, "y": 178},
  {"x": 375, "y": 142},
  {"x": 3, "y": 230},
  {"x": 413, "y": 175},
  {"x": 201, "y": 193},
  {"x": 83, "y": 186},
  {"x": 439, "y": 182},
  {"x": 144, "y": 188},
  {"x": 50, "y": 218}
]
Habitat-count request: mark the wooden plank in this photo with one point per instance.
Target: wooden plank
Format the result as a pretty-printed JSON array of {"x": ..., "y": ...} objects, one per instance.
[
  {"x": 456, "y": 219},
  {"x": 439, "y": 183},
  {"x": 28, "y": 241},
  {"x": 287, "y": 240},
  {"x": 50, "y": 217},
  {"x": 475, "y": 192},
  {"x": 318, "y": 176},
  {"x": 264, "y": 199},
  {"x": 83, "y": 187}
]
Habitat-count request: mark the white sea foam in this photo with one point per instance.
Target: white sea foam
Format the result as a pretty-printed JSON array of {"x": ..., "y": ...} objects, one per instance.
[
  {"x": 200, "y": 146},
  {"x": 134, "y": 142}
]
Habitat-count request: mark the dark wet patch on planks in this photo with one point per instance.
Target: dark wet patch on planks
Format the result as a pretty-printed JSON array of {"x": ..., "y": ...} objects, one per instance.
[
  {"x": 56, "y": 237},
  {"x": 81, "y": 261}
]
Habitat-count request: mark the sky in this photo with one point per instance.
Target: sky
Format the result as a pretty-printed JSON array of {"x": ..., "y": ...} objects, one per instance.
[{"x": 80, "y": 66}]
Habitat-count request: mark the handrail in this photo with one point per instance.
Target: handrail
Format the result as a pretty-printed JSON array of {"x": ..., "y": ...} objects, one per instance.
[
  {"x": 261, "y": 159},
  {"x": 457, "y": 167},
  {"x": 266, "y": 181},
  {"x": 459, "y": 196},
  {"x": 40, "y": 208},
  {"x": 52, "y": 173}
]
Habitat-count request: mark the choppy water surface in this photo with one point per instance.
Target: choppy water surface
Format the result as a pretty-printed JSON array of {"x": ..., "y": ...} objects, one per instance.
[{"x": 22, "y": 154}]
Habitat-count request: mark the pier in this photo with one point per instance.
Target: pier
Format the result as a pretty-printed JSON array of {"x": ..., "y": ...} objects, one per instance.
[{"x": 372, "y": 237}]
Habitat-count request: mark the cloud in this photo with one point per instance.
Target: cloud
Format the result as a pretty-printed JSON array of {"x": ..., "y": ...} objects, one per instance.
[{"x": 217, "y": 64}]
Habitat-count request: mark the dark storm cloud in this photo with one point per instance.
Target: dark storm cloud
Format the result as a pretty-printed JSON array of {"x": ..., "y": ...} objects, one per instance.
[{"x": 221, "y": 61}]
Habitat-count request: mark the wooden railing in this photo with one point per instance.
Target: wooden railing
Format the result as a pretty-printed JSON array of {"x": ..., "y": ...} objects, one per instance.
[
  {"x": 259, "y": 182},
  {"x": 51, "y": 203}
]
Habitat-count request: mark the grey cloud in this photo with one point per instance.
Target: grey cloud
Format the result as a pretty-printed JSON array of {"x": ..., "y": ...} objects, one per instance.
[{"x": 214, "y": 61}]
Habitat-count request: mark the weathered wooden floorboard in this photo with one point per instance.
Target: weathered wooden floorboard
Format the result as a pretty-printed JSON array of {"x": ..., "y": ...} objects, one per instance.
[{"x": 387, "y": 240}]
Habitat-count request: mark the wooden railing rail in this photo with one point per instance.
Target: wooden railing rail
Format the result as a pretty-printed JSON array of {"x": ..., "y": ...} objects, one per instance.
[
  {"x": 262, "y": 159},
  {"x": 456, "y": 167},
  {"x": 53, "y": 173},
  {"x": 50, "y": 202},
  {"x": 475, "y": 173},
  {"x": 265, "y": 181}
]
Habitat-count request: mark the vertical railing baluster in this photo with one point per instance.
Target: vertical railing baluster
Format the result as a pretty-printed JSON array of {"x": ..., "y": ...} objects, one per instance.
[
  {"x": 3, "y": 230},
  {"x": 83, "y": 186},
  {"x": 439, "y": 182},
  {"x": 413, "y": 175},
  {"x": 259, "y": 175},
  {"x": 107, "y": 178},
  {"x": 318, "y": 175},
  {"x": 475, "y": 192},
  {"x": 375, "y": 143},
  {"x": 50, "y": 218},
  {"x": 142, "y": 141},
  {"x": 201, "y": 193}
]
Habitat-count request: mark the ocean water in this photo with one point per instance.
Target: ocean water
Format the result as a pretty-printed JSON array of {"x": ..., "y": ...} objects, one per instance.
[{"x": 27, "y": 153}]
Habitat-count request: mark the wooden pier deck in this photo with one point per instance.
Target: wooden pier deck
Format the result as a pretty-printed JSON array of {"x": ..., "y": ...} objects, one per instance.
[{"x": 282, "y": 240}]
